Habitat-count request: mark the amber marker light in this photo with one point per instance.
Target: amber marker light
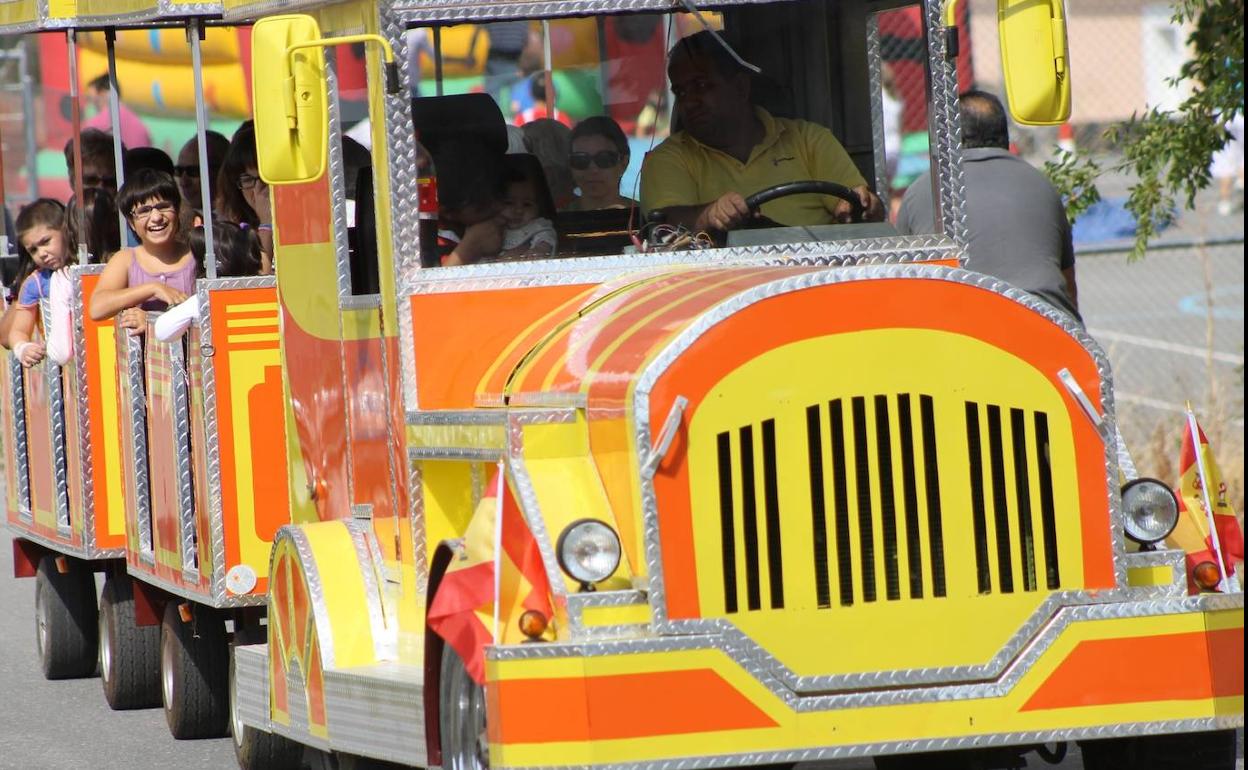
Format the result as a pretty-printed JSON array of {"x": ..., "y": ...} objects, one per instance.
[
  {"x": 1206, "y": 575},
  {"x": 533, "y": 624}
]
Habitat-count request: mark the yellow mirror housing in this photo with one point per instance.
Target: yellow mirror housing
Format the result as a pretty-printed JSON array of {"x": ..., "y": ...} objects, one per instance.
[
  {"x": 289, "y": 90},
  {"x": 1035, "y": 60}
]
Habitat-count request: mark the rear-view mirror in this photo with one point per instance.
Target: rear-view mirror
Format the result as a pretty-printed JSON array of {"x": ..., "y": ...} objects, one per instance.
[
  {"x": 1035, "y": 60},
  {"x": 289, "y": 90}
]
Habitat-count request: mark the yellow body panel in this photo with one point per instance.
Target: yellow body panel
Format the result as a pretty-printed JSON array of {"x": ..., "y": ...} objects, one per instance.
[{"x": 798, "y": 634}]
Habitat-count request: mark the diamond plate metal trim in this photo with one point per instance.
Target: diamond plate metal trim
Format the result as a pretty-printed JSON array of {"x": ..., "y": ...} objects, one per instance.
[
  {"x": 130, "y": 353},
  {"x": 522, "y": 486},
  {"x": 316, "y": 592},
  {"x": 483, "y": 10},
  {"x": 1125, "y": 463},
  {"x": 641, "y": 418},
  {"x": 945, "y": 130},
  {"x": 182, "y": 460},
  {"x": 576, "y": 613},
  {"x": 420, "y": 556},
  {"x": 368, "y": 554},
  {"x": 574, "y": 270},
  {"x": 1176, "y": 559},
  {"x": 251, "y": 684},
  {"x": 21, "y": 449},
  {"x": 51, "y": 374},
  {"x": 876, "y": 88},
  {"x": 79, "y": 387},
  {"x": 193, "y": 594},
  {"x": 60, "y": 546},
  {"x": 337, "y": 183},
  {"x": 451, "y": 453},
  {"x": 202, "y": 335}
]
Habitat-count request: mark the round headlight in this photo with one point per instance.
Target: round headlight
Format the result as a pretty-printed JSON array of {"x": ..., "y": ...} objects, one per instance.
[
  {"x": 589, "y": 551},
  {"x": 1149, "y": 510}
]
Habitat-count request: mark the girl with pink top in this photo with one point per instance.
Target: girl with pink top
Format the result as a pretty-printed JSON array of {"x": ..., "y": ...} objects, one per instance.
[{"x": 157, "y": 273}]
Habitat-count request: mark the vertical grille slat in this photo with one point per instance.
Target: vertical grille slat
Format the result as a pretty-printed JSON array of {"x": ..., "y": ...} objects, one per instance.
[
  {"x": 1022, "y": 489},
  {"x": 1000, "y": 504},
  {"x": 931, "y": 479},
  {"x": 975, "y": 453},
  {"x": 888, "y": 508},
  {"x": 1048, "y": 516},
  {"x": 862, "y": 475},
  {"x": 749, "y": 516},
  {"x": 840, "y": 496},
  {"x": 728, "y": 549},
  {"x": 818, "y": 510},
  {"x": 910, "y": 497},
  {"x": 771, "y": 502}
]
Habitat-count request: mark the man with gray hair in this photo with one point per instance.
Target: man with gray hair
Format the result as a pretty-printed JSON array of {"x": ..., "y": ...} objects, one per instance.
[{"x": 1016, "y": 224}]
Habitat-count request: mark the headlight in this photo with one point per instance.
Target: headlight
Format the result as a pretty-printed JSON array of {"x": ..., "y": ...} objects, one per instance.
[
  {"x": 1149, "y": 510},
  {"x": 589, "y": 551}
]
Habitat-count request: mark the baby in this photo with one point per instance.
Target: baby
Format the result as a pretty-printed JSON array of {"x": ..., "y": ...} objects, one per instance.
[{"x": 527, "y": 212}]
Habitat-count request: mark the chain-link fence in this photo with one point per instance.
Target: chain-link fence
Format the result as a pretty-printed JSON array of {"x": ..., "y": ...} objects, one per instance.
[{"x": 1171, "y": 323}]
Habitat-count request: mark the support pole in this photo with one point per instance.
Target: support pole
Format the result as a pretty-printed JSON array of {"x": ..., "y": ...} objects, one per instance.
[
  {"x": 195, "y": 35},
  {"x": 75, "y": 121},
  {"x": 114, "y": 117},
  {"x": 437, "y": 59}
]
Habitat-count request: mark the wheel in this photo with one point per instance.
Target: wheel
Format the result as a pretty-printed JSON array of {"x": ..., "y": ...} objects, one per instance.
[
  {"x": 129, "y": 653},
  {"x": 461, "y": 718},
  {"x": 936, "y": 760},
  {"x": 194, "y": 673},
  {"x": 1184, "y": 751},
  {"x": 65, "y": 619},
  {"x": 256, "y": 749}
]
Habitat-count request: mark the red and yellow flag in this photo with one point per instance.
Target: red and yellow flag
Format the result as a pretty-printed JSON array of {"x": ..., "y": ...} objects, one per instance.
[
  {"x": 1192, "y": 532},
  {"x": 496, "y": 575}
]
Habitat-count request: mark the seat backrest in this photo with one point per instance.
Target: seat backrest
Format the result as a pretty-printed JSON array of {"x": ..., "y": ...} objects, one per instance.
[{"x": 362, "y": 239}]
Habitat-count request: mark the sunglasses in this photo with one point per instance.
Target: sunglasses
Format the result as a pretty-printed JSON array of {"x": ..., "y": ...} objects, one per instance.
[
  {"x": 186, "y": 171},
  {"x": 604, "y": 159},
  {"x": 249, "y": 182}
]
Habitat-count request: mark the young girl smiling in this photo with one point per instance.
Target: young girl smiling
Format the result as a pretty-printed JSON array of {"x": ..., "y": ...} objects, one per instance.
[{"x": 157, "y": 273}]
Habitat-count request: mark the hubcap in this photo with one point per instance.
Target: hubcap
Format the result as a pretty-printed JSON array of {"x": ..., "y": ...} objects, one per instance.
[
  {"x": 41, "y": 623},
  {"x": 236, "y": 722},
  {"x": 166, "y": 671},
  {"x": 469, "y": 749},
  {"x": 106, "y": 648}
]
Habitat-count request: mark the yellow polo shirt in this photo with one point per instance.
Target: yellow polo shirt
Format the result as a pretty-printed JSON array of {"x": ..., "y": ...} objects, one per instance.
[{"x": 684, "y": 172}]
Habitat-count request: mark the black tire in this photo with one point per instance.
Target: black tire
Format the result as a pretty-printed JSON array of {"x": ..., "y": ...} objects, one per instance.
[
  {"x": 129, "y": 653},
  {"x": 1184, "y": 751},
  {"x": 257, "y": 750},
  {"x": 66, "y": 619},
  {"x": 935, "y": 760},
  {"x": 194, "y": 673},
  {"x": 461, "y": 716}
]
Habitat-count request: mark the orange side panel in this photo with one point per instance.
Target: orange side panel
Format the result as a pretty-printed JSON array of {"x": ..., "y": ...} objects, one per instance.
[
  {"x": 1103, "y": 672},
  {"x": 7, "y": 441},
  {"x": 460, "y": 338},
  {"x": 162, "y": 450},
  {"x": 301, "y": 212},
  {"x": 109, "y": 531},
  {"x": 876, "y": 304},
  {"x": 599, "y": 708}
]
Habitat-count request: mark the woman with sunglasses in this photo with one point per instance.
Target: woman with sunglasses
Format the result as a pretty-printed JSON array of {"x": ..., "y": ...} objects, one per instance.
[
  {"x": 242, "y": 196},
  {"x": 157, "y": 273},
  {"x": 598, "y": 159}
]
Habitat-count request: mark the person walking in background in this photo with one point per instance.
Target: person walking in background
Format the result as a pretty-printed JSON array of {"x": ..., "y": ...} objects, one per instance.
[
  {"x": 1016, "y": 226},
  {"x": 502, "y": 64},
  {"x": 1228, "y": 167},
  {"x": 133, "y": 132}
]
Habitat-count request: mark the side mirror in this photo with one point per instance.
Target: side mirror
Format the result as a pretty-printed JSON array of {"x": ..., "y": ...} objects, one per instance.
[
  {"x": 1035, "y": 60},
  {"x": 289, "y": 89}
]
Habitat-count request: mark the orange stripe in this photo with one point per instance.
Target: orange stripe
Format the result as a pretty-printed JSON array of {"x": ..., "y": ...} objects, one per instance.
[
  {"x": 301, "y": 212},
  {"x": 876, "y": 304},
  {"x": 1102, "y": 672},
  {"x": 620, "y": 706}
]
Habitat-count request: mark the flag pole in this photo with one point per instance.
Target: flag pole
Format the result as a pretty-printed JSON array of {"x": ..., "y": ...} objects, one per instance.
[
  {"x": 1224, "y": 584},
  {"x": 498, "y": 550}
]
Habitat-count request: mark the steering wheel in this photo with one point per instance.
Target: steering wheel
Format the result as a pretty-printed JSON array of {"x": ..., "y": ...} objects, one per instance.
[{"x": 786, "y": 189}]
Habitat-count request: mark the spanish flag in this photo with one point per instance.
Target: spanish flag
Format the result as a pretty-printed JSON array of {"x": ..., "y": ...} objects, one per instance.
[
  {"x": 1203, "y": 500},
  {"x": 495, "y": 576}
]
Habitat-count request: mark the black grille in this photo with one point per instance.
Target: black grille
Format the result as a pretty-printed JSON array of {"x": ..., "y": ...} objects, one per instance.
[{"x": 883, "y": 437}]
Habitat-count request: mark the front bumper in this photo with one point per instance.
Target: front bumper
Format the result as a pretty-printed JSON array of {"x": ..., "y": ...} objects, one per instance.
[{"x": 1100, "y": 670}]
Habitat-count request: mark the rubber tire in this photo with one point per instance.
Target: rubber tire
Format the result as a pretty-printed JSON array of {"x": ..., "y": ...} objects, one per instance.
[
  {"x": 129, "y": 653},
  {"x": 457, "y": 687},
  {"x": 194, "y": 672},
  {"x": 1183, "y": 751},
  {"x": 66, "y": 620},
  {"x": 257, "y": 750}
]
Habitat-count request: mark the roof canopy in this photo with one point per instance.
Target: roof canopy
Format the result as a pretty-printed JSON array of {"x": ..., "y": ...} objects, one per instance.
[{"x": 20, "y": 16}]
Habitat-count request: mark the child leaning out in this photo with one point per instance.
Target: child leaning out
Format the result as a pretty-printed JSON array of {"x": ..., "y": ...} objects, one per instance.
[{"x": 44, "y": 251}]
